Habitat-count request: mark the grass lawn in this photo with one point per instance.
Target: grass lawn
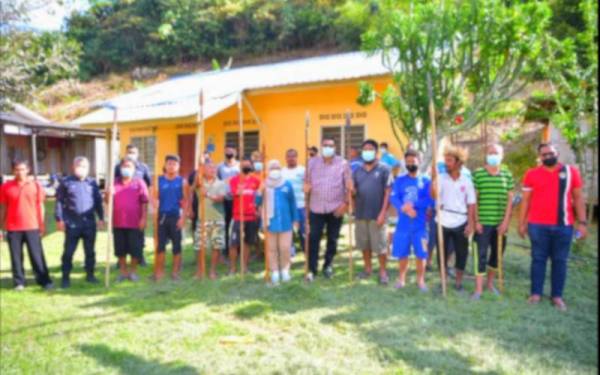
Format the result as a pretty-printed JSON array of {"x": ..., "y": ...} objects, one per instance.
[{"x": 329, "y": 327}]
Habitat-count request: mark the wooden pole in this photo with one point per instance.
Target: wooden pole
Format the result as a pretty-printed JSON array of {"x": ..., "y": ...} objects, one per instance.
[
  {"x": 199, "y": 163},
  {"x": 241, "y": 186},
  {"x": 155, "y": 209},
  {"x": 110, "y": 191},
  {"x": 306, "y": 195},
  {"x": 34, "y": 161},
  {"x": 350, "y": 208},
  {"x": 500, "y": 257},
  {"x": 440, "y": 238},
  {"x": 265, "y": 220}
]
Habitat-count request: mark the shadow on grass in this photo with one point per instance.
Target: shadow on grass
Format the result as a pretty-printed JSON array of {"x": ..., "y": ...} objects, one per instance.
[{"x": 127, "y": 363}]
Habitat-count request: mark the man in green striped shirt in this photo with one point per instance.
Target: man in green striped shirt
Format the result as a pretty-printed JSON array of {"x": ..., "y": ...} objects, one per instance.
[{"x": 494, "y": 186}]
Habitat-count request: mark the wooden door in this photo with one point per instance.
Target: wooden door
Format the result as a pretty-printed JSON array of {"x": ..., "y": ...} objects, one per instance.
[{"x": 185, "y": 145}]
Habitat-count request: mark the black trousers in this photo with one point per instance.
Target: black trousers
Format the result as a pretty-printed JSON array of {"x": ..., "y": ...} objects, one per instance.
[
  {"x": 228, "y": 206},
  {"x": 455, "y": 240},
  {"x": 485, "y": 240},
  {"x": 318, "y": 222},
  {"x": 72, "y": 236},
  {"x": 36, "y": 256}
]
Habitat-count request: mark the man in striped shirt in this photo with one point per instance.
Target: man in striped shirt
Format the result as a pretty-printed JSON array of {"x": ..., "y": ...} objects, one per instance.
[
  {"x": 328, "y": 182},
  {"x": 494, "y": 186}
]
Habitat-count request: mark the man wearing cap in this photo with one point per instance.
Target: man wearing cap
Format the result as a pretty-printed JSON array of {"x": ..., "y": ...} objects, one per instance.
[
  {"x": 457, "y": 208},
  {"x": 78, "y": 200}
]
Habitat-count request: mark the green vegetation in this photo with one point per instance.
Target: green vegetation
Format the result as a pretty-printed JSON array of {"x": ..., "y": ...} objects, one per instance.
[{"x": 330, "y": 327}]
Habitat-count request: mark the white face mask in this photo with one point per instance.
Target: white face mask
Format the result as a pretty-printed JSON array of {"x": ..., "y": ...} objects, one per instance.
[
  {"x": 82, "y": 171},
  {"x": 134, "y": 157},
  {"x": 275, "y": 174},
  {"x": 127, "y": 172},
  {"x": 328, "y": 151}
]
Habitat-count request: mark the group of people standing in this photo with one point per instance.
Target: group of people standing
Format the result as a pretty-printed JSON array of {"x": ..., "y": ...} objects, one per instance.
[{"x": 239, "y": 196}]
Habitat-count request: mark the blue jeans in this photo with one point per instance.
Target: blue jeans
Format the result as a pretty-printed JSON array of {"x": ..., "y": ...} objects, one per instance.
[{"x": 554, "y": 242}]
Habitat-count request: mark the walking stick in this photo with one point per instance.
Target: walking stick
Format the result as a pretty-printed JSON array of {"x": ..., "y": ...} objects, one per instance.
[
  {"x": 241, "y": 185},
  {"x": 109, "y": 188},
  {"x": 500, "y": 259},
  {"x": 350, "y": 203},
  {"x": 199, "y": 162},
  {"x": 155, "y": 213},
  {"x": 265, "y": 219},
  {"x": 440, "y": 238},
  {"x": 306, "y": 195}
]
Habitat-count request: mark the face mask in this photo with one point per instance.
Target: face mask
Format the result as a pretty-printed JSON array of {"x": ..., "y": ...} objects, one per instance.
[
  {"x": 258, "y": 166},
  {"x": 127, "y": 172},
  {"x": 412, "y": 168},
  {"x": 383, "y": 150},
  {"x": 368, "y": 156},
  {"x": 81, "y": 172},
  {"x": 133, "y": 157},
  {"x": 493, "y": 160},
  {"x": 246, "y": 170},
  {"x": 550, "y": 162},
  {"x": 229, "y": 155},
  {"x": 328, "y": 151},
  {"x": 275, "y": 174}
]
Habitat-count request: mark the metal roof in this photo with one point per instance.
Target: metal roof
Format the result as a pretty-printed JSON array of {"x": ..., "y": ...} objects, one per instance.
[{"x": 178, "y": 97}]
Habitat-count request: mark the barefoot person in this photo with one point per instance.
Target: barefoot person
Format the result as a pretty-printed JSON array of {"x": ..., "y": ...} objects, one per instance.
[
  {"x": 280, "y": 219},
  {"x": 78, "y": 201},
  {"x": 411, "y": 198},
  {"x": 129, "y": 218},
  {"x": 22, "y": 216},
  {"x": 371, "y": 183},
  {"x": 457, "y": 209},
  {"x": 552, "y": 202},
  {"x": 213, "y": 190},
  {"x": 171, "y": 201},
  {"x": 494, "y": 186}
]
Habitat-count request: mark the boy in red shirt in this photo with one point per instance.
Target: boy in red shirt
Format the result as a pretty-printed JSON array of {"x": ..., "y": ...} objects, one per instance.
[
  {"x": 22, "y": 215},
  {"x": 552, "y": 201},
  {"x": 244, "y": 189}
]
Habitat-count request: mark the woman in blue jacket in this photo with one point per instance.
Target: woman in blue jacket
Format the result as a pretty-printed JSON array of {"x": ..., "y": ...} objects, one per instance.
[{"x": 281, "y": 216}]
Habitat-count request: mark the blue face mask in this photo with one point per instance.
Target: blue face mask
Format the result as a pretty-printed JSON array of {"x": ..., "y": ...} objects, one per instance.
[
  {"x": 258, "y": 166},
  {"x": 328, "y": 151},
  {"x": 127, "y": 172},
  {"x": 368, "y": 155},
  {"x": 493, "y": 160}
]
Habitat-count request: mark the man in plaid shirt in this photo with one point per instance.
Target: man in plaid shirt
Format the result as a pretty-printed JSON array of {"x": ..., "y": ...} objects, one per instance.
[{"x": 328, "y": 182}]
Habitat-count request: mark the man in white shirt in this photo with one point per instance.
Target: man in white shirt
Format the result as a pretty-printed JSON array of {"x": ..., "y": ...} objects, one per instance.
[
  {"x": 457, "y": 208},
  {"x": 294, "y": 173}
]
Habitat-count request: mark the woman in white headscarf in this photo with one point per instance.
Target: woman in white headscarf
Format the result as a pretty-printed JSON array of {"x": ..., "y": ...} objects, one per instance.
[{"x": 281, "y": 216}]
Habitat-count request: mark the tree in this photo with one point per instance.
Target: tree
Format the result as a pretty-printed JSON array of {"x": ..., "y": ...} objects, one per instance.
[{"x": 478, "y": 54}]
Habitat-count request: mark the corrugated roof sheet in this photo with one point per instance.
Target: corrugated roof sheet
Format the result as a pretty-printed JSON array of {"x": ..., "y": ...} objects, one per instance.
[{"x": 178, "y": 97}]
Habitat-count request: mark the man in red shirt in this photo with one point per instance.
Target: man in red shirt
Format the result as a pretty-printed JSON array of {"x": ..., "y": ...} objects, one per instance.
[
  {"x": 22, "y": 215},
  {"x": 244, "y": 189},
  {"x": 552, "y": 197}
]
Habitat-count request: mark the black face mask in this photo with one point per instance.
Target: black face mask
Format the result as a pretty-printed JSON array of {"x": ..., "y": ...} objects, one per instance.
[
  {"x": 412, "y": 168},
  {"x": 550, "y": 162},
  {"x": 246, "y": 170},
  {"x": 229, "y": 156}
]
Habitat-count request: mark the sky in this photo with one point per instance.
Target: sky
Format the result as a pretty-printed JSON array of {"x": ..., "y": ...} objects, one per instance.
[{"x": 50, "y": 16}]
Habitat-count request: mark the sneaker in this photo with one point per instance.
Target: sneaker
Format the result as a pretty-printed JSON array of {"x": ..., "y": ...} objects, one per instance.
[
  {"x": 423, "y": 288},
  {"x": 134, "y": 277},
  {"x": 384, "y": 280},
  {"x": 363, "y": 275},
  {"x": 328, "y": 272},
  {"x": 19, "y": 288},
  {"x": 122, "y": 278},
  {"x": 309, "y": 278},
  {"x": 65, "y": 283},
  {"x": 475, "y": 296},
  {"x": 285, "y": 276},
  {"x": 399, "y": 285},
  {"x": 91, "y": 278},
  {"x": 49, "y": 286},
  {"x": 275, "y": 278}
]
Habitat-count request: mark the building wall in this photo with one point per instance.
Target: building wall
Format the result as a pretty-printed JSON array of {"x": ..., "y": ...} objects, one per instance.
[{"x": 282, "y": 113}]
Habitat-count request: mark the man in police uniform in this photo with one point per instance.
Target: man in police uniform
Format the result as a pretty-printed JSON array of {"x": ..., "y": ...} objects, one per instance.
[
  {"x": 77, "y": 200},
  {"x": 141, "y": 171}
]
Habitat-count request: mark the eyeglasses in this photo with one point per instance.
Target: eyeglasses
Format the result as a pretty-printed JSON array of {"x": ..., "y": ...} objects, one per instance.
[{"x": 547, "y": 155}]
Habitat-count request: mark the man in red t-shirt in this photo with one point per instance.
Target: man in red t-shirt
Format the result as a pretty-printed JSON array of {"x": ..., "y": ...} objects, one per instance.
[
  {"x": 22, "y": 215},
  {"x": 552, "y": 197},
  {"x": 244, "y": 189}
]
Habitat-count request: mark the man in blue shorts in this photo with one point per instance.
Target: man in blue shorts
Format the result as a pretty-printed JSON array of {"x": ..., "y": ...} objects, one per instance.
[{"x": 410, "y": 196}]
